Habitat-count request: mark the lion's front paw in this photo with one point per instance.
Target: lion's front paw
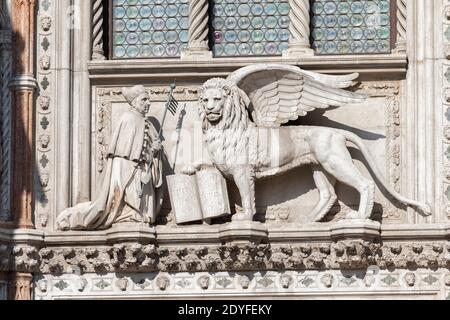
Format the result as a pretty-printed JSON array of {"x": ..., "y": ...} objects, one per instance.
[
  {"x": 189, "y": 170},
  {"x": 62, "y": 223}
]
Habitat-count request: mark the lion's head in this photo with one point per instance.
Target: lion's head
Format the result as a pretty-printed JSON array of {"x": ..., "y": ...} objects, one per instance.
[
  {"x": 213, "y": 99},
  {"x": 220, "y": 102}
]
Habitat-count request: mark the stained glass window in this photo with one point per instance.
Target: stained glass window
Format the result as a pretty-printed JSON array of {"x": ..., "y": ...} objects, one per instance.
[
  {"x": 149, "y": 28},
  {"x": 249, "y": 28},
  {"x": 351, "y": 26}
]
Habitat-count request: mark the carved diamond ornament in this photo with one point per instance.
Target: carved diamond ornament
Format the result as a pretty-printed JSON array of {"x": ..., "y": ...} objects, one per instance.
[
  {"x": 224, "y": 282},
  {"x": 430, "y": 279},
  {"x": 102, "y": 284},
  {"x": 307, "y": 281},
  {"x": 266, "y": 282},
  {"x": 61, "y": 285},
  {"x": 389, "y": 280}
]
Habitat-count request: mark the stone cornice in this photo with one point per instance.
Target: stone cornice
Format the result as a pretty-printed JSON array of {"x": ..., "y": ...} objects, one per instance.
[
  {"x": 173, "y": 249},
  {"x": 391, "y": 66}
]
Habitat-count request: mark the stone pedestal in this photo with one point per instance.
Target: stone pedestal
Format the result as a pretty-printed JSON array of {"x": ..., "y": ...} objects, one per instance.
[
  {"x": 130, "y": 232},
  {"x": 355, "y": 229},
  {"x": 244, "y": 232}
]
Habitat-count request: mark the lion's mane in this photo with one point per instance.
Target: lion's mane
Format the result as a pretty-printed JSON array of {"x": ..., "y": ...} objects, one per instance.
[{"x": 228, "y": 139}]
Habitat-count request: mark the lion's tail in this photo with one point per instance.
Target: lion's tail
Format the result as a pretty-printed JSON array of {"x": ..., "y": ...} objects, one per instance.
[{"x": 351, "y": 137}]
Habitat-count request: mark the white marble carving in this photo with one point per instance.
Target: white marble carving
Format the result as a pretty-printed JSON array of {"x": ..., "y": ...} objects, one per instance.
[
  {"x": 184, "y": 198},
  {"x": 386, "y": 284},
  {"x": 200, "y": 197},
  {"x": 245, "y": 148},
  {"x": 131, "y": 189}
]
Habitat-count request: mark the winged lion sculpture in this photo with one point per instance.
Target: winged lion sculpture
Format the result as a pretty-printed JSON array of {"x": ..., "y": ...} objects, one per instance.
[{"x": 242, "y": 118}]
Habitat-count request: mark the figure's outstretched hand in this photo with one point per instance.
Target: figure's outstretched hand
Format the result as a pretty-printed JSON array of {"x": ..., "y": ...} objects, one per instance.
[
  {"x": 191, "y": 169},
  {"x": 156, "y": 146}
]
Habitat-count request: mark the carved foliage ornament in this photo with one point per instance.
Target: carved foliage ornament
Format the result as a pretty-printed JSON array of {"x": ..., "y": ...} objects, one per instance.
[{"x": 348, "y": 254}]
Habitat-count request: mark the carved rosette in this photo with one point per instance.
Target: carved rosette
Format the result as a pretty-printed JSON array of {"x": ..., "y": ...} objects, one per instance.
[
  {"x": 97, "y": 30},
  {"x": 299, "y": 27},
  {"x": 401, "y": 26}
]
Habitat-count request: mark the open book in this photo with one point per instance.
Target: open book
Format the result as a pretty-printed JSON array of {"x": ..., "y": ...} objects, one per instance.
[{"x": 198, "y": 197}]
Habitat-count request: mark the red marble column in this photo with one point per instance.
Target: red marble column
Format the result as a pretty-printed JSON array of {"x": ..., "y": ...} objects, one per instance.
[{"x": 23, "y": 91}]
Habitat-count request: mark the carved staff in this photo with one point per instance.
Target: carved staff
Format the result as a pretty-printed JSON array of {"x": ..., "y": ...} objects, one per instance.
[{"x": 171, "y": 105}]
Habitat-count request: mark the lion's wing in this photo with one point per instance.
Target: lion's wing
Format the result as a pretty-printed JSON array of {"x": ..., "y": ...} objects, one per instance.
[{"x": 280, "y": 93}]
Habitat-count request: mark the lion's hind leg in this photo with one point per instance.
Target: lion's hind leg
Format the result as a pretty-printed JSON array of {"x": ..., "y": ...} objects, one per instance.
[
  {"x": 327, "y": 195},
  {"x": 339, "y": 163}
]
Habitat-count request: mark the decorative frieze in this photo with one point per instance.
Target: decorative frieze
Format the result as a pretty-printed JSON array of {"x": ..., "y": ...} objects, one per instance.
[
  {"x": 44, "y": 128},
  {"x": 446, "y": 110},
  {"x": 373, "y": 283}
]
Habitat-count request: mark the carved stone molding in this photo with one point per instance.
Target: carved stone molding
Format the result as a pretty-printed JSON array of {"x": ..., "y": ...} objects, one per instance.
[
  {"x": 420, "y": 284},
  {"x": 446, "y": 112},
  {"x": 43, "y": 184}
]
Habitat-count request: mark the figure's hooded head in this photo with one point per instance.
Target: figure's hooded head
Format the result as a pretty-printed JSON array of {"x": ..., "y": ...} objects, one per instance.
[{"x": 138, "y": 98}]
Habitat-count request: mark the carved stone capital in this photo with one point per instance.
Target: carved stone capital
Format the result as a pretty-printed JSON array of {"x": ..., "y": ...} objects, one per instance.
[{"x": 21, "y": 286}]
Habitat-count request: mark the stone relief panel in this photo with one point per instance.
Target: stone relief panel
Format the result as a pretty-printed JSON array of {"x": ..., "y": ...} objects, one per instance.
[
  {"x": 287, "y": 198},
  {"x": 358, "y": 284}
]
